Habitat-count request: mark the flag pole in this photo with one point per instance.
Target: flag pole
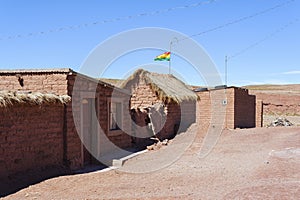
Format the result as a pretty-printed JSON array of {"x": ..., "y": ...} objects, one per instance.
[
  {"x": 226, "y": 63},
  {"x": 225, "y": 100},
  {"x": 171, "y": 43},
  {"x": 170, "y": 57}
]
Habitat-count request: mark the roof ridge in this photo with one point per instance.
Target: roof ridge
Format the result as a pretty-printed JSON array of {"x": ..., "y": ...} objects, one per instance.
[
  {"x": 167, "y": 86},
  {"x": 46, "y": 70}
]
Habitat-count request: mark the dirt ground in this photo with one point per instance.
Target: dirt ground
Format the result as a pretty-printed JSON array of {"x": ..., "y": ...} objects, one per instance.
[{"x": 260, "y": 163}]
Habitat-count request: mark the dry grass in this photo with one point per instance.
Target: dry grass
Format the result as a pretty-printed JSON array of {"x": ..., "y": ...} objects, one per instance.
[
  {"x": 273, "y": 87},
  {"x": 167, "y": 87},
  {"x": 8, "y": 98},
  {"x": 111, "y": 81}
]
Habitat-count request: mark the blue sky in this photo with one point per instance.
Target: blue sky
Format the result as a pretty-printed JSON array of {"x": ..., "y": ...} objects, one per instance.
[{"x": 274, "y": 61}]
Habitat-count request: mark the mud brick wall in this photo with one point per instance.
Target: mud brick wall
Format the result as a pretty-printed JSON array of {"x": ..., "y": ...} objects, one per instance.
[
  {"x": 279, "y": 104},
  {"x": 172, "y": 123},
  {"x": 72, "y": 142},
  {"x": 140, "y": 130},
  {"x": 143, "y": 96},
  {"x": 203, "y": 110},
  {"x": 178, "y": 115},
  {"x": 240, "y": 108},
  {"x": 245, "y": 109},
  {"x": 55, "y": 83},
  {"x": 188, "y": 113},
  {"x": 208, "y": 114},
  {"x": 31, "y": 137},
  {"x": 259, "y": 113},
  {"x": 230, "y": 108}
]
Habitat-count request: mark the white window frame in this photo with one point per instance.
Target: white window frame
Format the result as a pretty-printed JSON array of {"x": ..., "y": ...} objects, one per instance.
[{"x": 115, "y": 100}]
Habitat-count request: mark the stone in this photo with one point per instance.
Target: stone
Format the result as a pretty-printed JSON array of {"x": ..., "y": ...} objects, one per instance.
[{"x": 280, "y": 122}]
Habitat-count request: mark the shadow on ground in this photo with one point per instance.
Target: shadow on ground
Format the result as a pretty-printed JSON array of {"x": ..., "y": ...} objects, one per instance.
[
  {"x": 16, "y": 182},
  {"x": 13, "y": 183}
]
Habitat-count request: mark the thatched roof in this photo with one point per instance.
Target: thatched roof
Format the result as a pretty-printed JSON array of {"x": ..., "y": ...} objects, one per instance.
[
  {"x": 166, "y": 86},
  {"x": 8, "y": 98},
  {"x": 111, "y": 81}
]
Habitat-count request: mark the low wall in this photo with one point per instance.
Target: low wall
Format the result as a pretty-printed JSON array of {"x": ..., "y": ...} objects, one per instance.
[
  {"x": 31, "y": 137},
  {"x": 279, "y": 104}
]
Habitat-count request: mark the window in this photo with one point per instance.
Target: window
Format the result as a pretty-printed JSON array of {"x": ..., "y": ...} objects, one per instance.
[{"x": 115, "y": 116}]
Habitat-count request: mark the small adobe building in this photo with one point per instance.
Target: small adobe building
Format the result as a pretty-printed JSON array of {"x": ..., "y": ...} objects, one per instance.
[
  {"x": 43, "y": 117},
  {"x": 161, "y": 105},
  {"x": 241, "y": 110}
]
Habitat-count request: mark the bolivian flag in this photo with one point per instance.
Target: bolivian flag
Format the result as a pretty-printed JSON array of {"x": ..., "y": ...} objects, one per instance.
[{"x": 163, "y": 57}]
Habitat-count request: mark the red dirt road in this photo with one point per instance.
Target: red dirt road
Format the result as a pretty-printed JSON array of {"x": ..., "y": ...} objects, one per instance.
[{"x": 261, "y": 163}]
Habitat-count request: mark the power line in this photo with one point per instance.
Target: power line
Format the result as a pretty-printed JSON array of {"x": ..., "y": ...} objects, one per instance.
[
  {"x": 282, "y": 28},
  {"x": 157, "y": 12},
  {"x": 240, "y": 19}
]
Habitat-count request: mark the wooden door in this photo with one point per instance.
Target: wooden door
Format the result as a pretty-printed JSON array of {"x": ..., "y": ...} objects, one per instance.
[{"x": 89, "y": 129}]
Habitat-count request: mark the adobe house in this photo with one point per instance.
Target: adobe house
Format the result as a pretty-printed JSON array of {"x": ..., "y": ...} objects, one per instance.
[
  {"x": 161, "y": 104},
  {"x": 39, "y": 126},
  {"x": 242, "y": 110}
]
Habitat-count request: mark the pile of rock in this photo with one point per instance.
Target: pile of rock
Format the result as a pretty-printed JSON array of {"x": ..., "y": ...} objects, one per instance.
[
  {"x": 158, "y": 145},
  {"x": 280, "y": 122}
]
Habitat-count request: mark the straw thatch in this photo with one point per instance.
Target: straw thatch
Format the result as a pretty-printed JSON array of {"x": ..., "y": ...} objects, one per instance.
[
  {"x": 167, "y": 87},
  {"x": 8, "y": 98}
]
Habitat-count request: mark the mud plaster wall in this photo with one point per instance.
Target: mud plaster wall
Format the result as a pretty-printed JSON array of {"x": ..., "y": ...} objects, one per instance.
[{"x": 31, "y": 137}]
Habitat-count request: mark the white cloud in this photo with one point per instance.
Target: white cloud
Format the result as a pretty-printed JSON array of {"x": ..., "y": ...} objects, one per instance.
[{"x": 291, "y": 72}]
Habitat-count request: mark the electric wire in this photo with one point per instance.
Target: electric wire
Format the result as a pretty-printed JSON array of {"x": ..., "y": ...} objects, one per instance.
[
  {"x": 84, "y": 25},
  {"x": 235, "y": 21},
  {"x": 239, "y": 20},
  {"x": 271, "y": 35}
]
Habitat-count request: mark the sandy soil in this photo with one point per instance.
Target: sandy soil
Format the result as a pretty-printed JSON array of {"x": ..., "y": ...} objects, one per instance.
[{"x": 260, "y": 163}]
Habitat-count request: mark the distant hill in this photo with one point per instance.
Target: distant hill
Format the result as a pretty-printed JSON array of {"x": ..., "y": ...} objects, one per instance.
[
  {"x": 272, "y": 87},
  {"x": 292, "y": 88},
  {"x": 111, "y": 81}
]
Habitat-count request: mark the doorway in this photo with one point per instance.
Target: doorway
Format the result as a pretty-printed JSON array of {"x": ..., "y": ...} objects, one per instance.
[{"x": 89, "y": 131}]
